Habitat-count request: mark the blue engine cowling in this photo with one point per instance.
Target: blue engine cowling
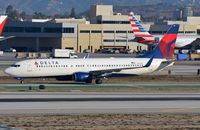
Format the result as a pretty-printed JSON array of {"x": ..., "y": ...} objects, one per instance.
[{"x": 83, "y": 77}]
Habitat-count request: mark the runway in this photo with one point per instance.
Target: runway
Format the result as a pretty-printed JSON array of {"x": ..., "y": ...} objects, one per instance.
[{"x": 97, "y": 103}]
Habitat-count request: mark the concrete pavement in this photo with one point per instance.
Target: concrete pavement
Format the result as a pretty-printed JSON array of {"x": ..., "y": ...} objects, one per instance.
[{"x": 109, "y": 103}]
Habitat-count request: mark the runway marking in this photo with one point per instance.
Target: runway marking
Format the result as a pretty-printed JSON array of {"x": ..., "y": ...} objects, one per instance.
[{"x": 176, "y": 110}]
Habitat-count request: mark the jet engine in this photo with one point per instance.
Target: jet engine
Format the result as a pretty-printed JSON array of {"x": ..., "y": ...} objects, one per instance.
[{"x": 83, "y": 77}]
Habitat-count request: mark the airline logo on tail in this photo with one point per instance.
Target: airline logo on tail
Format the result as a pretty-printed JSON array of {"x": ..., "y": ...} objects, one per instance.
[
  {"x": 2, "y": 22},
  {"x": 168, "y": 42},
  {"x": 165, "y": 48},
  {"x": 141, "y": 34}
]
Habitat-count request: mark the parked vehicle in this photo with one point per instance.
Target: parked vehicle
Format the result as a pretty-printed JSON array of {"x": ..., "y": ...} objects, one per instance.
[
  {"x": 108, "y": 51},
  {"x": 128, "y": 51},
  {"x": 10, "y": 50},
  {"x": 182, "y": 57},
  {"x": 64, "y": 53}
]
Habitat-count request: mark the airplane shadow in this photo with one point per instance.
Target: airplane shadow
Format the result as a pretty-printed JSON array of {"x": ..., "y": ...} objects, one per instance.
[{"x": 64, "y": 83}]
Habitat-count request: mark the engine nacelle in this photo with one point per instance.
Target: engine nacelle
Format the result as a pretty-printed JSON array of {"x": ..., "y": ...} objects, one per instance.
[{"x": 83, "y": 77}]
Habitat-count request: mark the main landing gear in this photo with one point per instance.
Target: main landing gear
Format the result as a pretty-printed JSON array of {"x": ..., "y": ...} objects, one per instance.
[{"x": 98, "y": 81}]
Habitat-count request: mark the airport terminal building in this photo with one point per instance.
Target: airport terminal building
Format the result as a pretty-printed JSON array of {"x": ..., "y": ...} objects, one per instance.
[{"x": 105, "y": 30}]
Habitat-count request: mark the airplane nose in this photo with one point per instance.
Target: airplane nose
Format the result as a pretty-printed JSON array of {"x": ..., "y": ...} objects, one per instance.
[{"x": 7, "y": 71}]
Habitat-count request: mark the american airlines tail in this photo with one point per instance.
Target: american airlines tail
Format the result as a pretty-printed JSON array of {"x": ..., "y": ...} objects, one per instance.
[
  {"x": 165, "y": 48},
  {"x": 141, "y": 34},
  {"x": 3, "y": 19}
]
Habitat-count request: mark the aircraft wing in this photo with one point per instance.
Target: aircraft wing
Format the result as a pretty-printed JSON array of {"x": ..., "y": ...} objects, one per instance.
[
  {"x": 6, "y": 38},
  {"x": 107, "y": 71}
]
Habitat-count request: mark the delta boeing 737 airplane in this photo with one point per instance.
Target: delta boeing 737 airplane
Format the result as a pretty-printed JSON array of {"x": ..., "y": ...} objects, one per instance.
[
  {"x": 143, "y": 36},
  {"x": 89, "y": 69}
]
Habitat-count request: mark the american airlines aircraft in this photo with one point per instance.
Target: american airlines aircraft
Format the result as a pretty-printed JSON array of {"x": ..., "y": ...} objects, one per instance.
[
  {"x": 87, "y": 69},
  {"x": 143, "y": 36},
  {"x": 3, "y": 19}
]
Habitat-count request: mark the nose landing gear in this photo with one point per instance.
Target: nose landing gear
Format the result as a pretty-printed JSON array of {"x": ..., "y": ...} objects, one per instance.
[{"x": 21, "y": 79}]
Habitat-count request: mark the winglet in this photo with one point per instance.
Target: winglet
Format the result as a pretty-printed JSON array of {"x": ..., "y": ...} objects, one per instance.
[{"x": 149, "y": 62}]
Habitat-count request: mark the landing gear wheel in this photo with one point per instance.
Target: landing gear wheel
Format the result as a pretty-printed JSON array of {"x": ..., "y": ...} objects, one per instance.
[
  {"x": 22, "y": 81},
  {"x": 98, "y": 81}
]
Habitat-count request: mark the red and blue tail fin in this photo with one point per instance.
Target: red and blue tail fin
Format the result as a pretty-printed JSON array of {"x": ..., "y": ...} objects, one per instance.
[
  {"x": 165, "y": 48},
  {"x": 3, "y": 19}
]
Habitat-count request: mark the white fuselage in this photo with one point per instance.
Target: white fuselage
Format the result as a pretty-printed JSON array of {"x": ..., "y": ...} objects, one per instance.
[
  {"x": 182, "y": 39},
  {"x": 64, "y": 67}
]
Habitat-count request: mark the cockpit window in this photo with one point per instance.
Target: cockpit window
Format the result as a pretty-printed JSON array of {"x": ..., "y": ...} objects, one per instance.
[{"x": 15, "y": 65}]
